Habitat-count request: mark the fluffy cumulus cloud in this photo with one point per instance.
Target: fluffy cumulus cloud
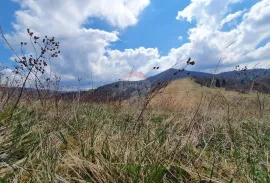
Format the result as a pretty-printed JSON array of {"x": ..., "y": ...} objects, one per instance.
[
  {"x": 208, "y": 41},
  {"x": 86, "y": 52},
  {"x": 72, "y": 14},
  {"x": 117, "y": 64},
  {"x": 83, "y": 49},
  {"x": 231, "y": 17},
  {"x": 206, "y": 12}
]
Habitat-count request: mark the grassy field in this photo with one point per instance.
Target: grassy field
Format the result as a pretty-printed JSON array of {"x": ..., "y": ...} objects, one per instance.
[{"x": 188, "y": 133}]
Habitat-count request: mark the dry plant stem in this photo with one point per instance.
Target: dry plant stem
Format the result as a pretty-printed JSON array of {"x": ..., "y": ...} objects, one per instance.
[
  {"x": 2, "y": 34},
  {"x": 231, "y": 132},
  {"x": 24, "y": 83},
  {"x": 21, "y": 91},
  {"x": 153, "y": 93},
  {"x": 31, "y": 65},
  {"x": 35, "y": 74},
  {"x": 192, "y": 121},
  {"x": 220, "y": 59},
  {"x": 254, "y": 80}
]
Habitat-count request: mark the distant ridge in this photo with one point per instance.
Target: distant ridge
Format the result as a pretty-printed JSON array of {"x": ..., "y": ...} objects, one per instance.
[
  {"x": 241, "y": 81},
  {"x": 127, "y": 89}
]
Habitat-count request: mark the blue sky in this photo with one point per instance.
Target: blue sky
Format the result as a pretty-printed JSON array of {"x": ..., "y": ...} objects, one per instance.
[
  {"x": 157, "y": 27},
  {"x": 7, "y": 9},
  {"x": 115, "y": 37},
  {"x": 167, "y": 28}
]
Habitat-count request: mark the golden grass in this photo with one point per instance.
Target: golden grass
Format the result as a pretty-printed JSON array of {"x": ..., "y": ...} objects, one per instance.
[
  {"x": 185, "y": 94},
  {"x": 188, "y": 133}
]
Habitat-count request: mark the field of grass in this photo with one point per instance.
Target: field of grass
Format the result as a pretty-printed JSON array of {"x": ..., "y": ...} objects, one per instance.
[{"x": 188, "y": 133}]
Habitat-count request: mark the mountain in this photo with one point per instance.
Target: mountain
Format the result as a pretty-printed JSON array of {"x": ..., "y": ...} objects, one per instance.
[
  {"x": 129, "y": 89},
  {"x": 246, "y": 74},
  {"x": 243, "y": 81},
  {"x": 235, "y": 80},
  {"x": 240, "y": 80},
  {"x": 173, "y": 74}
]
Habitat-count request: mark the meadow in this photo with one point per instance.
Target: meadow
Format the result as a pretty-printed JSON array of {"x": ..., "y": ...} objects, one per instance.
[
  {"x": 134, "y": 91},
  {"x": 186, "y": 133}
]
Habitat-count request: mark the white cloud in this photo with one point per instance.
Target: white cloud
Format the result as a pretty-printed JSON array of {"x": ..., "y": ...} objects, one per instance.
[
  {"x": 180, "y": 38},
  {"x": 117, "y": 63},
  {"x": 72, "y": 14},
  {"x": 206, "y": 12},
  {"x": 260, "y": 53},
  {"x": 86, "y": 52},
  {"x": 82, "y": 49},
  {"x": 231, "y": 17},
  {"x": 208, "y": 42}
]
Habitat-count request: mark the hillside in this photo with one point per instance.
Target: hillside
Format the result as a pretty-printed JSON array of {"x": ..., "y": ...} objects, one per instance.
[
  {"x": 186, "y": 93},
  {"x": 134, "y": 91},
  {"x": 244, "y": 80},
  {"x": 188, "y": 133}
]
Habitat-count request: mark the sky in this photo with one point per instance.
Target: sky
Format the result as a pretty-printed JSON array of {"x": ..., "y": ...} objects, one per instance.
[{"x": 104, "y": 40}]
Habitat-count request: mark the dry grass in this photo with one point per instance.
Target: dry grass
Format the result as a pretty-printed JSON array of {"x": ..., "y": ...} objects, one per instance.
[{"x": 203, "y": 135}]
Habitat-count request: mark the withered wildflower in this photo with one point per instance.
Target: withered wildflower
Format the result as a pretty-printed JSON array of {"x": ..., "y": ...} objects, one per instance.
[
  {"x": 192, "y": 62},
  {"x": 189, "y": 59},
  {"x": 39, "y": 63},
  {"x": 189, "y": 62}
]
